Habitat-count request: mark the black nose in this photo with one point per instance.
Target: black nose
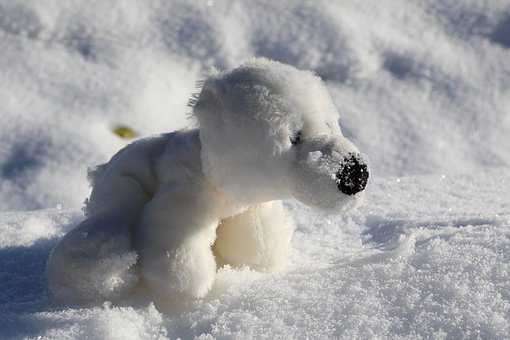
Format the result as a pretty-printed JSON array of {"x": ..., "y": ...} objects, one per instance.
[{"x": 353, "y": 176}]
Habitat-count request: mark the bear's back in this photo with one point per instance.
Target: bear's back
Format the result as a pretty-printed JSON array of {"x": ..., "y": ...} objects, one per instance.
[{"x": 150, "y": 163}]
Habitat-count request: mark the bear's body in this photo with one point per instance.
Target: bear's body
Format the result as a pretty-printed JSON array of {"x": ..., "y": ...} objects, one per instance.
[{"x": 167, "y": 210}]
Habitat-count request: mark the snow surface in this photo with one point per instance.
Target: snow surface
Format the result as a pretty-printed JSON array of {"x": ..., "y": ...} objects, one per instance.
[{"x": 423, "y": 88}]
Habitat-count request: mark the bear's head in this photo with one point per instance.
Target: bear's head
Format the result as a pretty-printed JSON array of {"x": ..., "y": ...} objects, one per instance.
[{"x": 270, "y": 131}]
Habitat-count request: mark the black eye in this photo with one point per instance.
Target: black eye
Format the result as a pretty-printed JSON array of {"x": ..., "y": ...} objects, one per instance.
[{"x": 296, "y": 138}]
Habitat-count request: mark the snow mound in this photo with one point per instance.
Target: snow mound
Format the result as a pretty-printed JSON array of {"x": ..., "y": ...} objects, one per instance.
[
  {"x": 428, "y": 258},
  {"x": 422, "y": 86}
]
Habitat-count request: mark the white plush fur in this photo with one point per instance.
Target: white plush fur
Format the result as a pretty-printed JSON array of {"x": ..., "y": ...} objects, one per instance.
[{"x": 165, "y": 211}]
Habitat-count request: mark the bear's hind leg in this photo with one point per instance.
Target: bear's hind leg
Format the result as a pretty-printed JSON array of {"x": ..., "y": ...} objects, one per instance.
[
  {"x": 96, "y": 260},
  {"x": 259, "y": 237},
  {"x": 93, "y": 262}
]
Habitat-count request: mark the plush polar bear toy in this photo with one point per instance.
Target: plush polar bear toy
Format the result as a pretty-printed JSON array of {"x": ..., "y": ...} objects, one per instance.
[{"x": 165, "y": 211}]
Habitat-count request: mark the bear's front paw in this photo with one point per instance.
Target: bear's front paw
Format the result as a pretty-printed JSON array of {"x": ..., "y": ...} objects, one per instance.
[{"x": 188, "y": 272}]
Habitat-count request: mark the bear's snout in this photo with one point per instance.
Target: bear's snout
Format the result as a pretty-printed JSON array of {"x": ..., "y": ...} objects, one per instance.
[{"x": 353, "y": 176}]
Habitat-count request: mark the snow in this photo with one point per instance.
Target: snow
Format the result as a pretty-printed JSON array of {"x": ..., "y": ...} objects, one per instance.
[{"x": 423, "y": 88}]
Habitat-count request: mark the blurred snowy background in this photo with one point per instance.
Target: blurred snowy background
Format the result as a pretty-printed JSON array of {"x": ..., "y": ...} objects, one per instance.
[{"x": 423, "y": 88}]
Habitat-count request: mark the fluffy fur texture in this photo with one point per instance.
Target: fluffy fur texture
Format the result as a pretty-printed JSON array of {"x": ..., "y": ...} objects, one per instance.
[{"x": 166, "y": 211}]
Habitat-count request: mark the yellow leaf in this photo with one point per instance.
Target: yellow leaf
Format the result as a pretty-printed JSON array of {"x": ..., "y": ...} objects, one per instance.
[{"x": 124, "y": 132}]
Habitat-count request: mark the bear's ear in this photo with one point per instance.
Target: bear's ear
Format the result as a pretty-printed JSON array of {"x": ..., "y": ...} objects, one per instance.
[
  {"x": 199, "y": 84},
  {"x": 206, "y": 103},
  {"x": 212, "y": 73},
  {"x": 206, "y": 90}
]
